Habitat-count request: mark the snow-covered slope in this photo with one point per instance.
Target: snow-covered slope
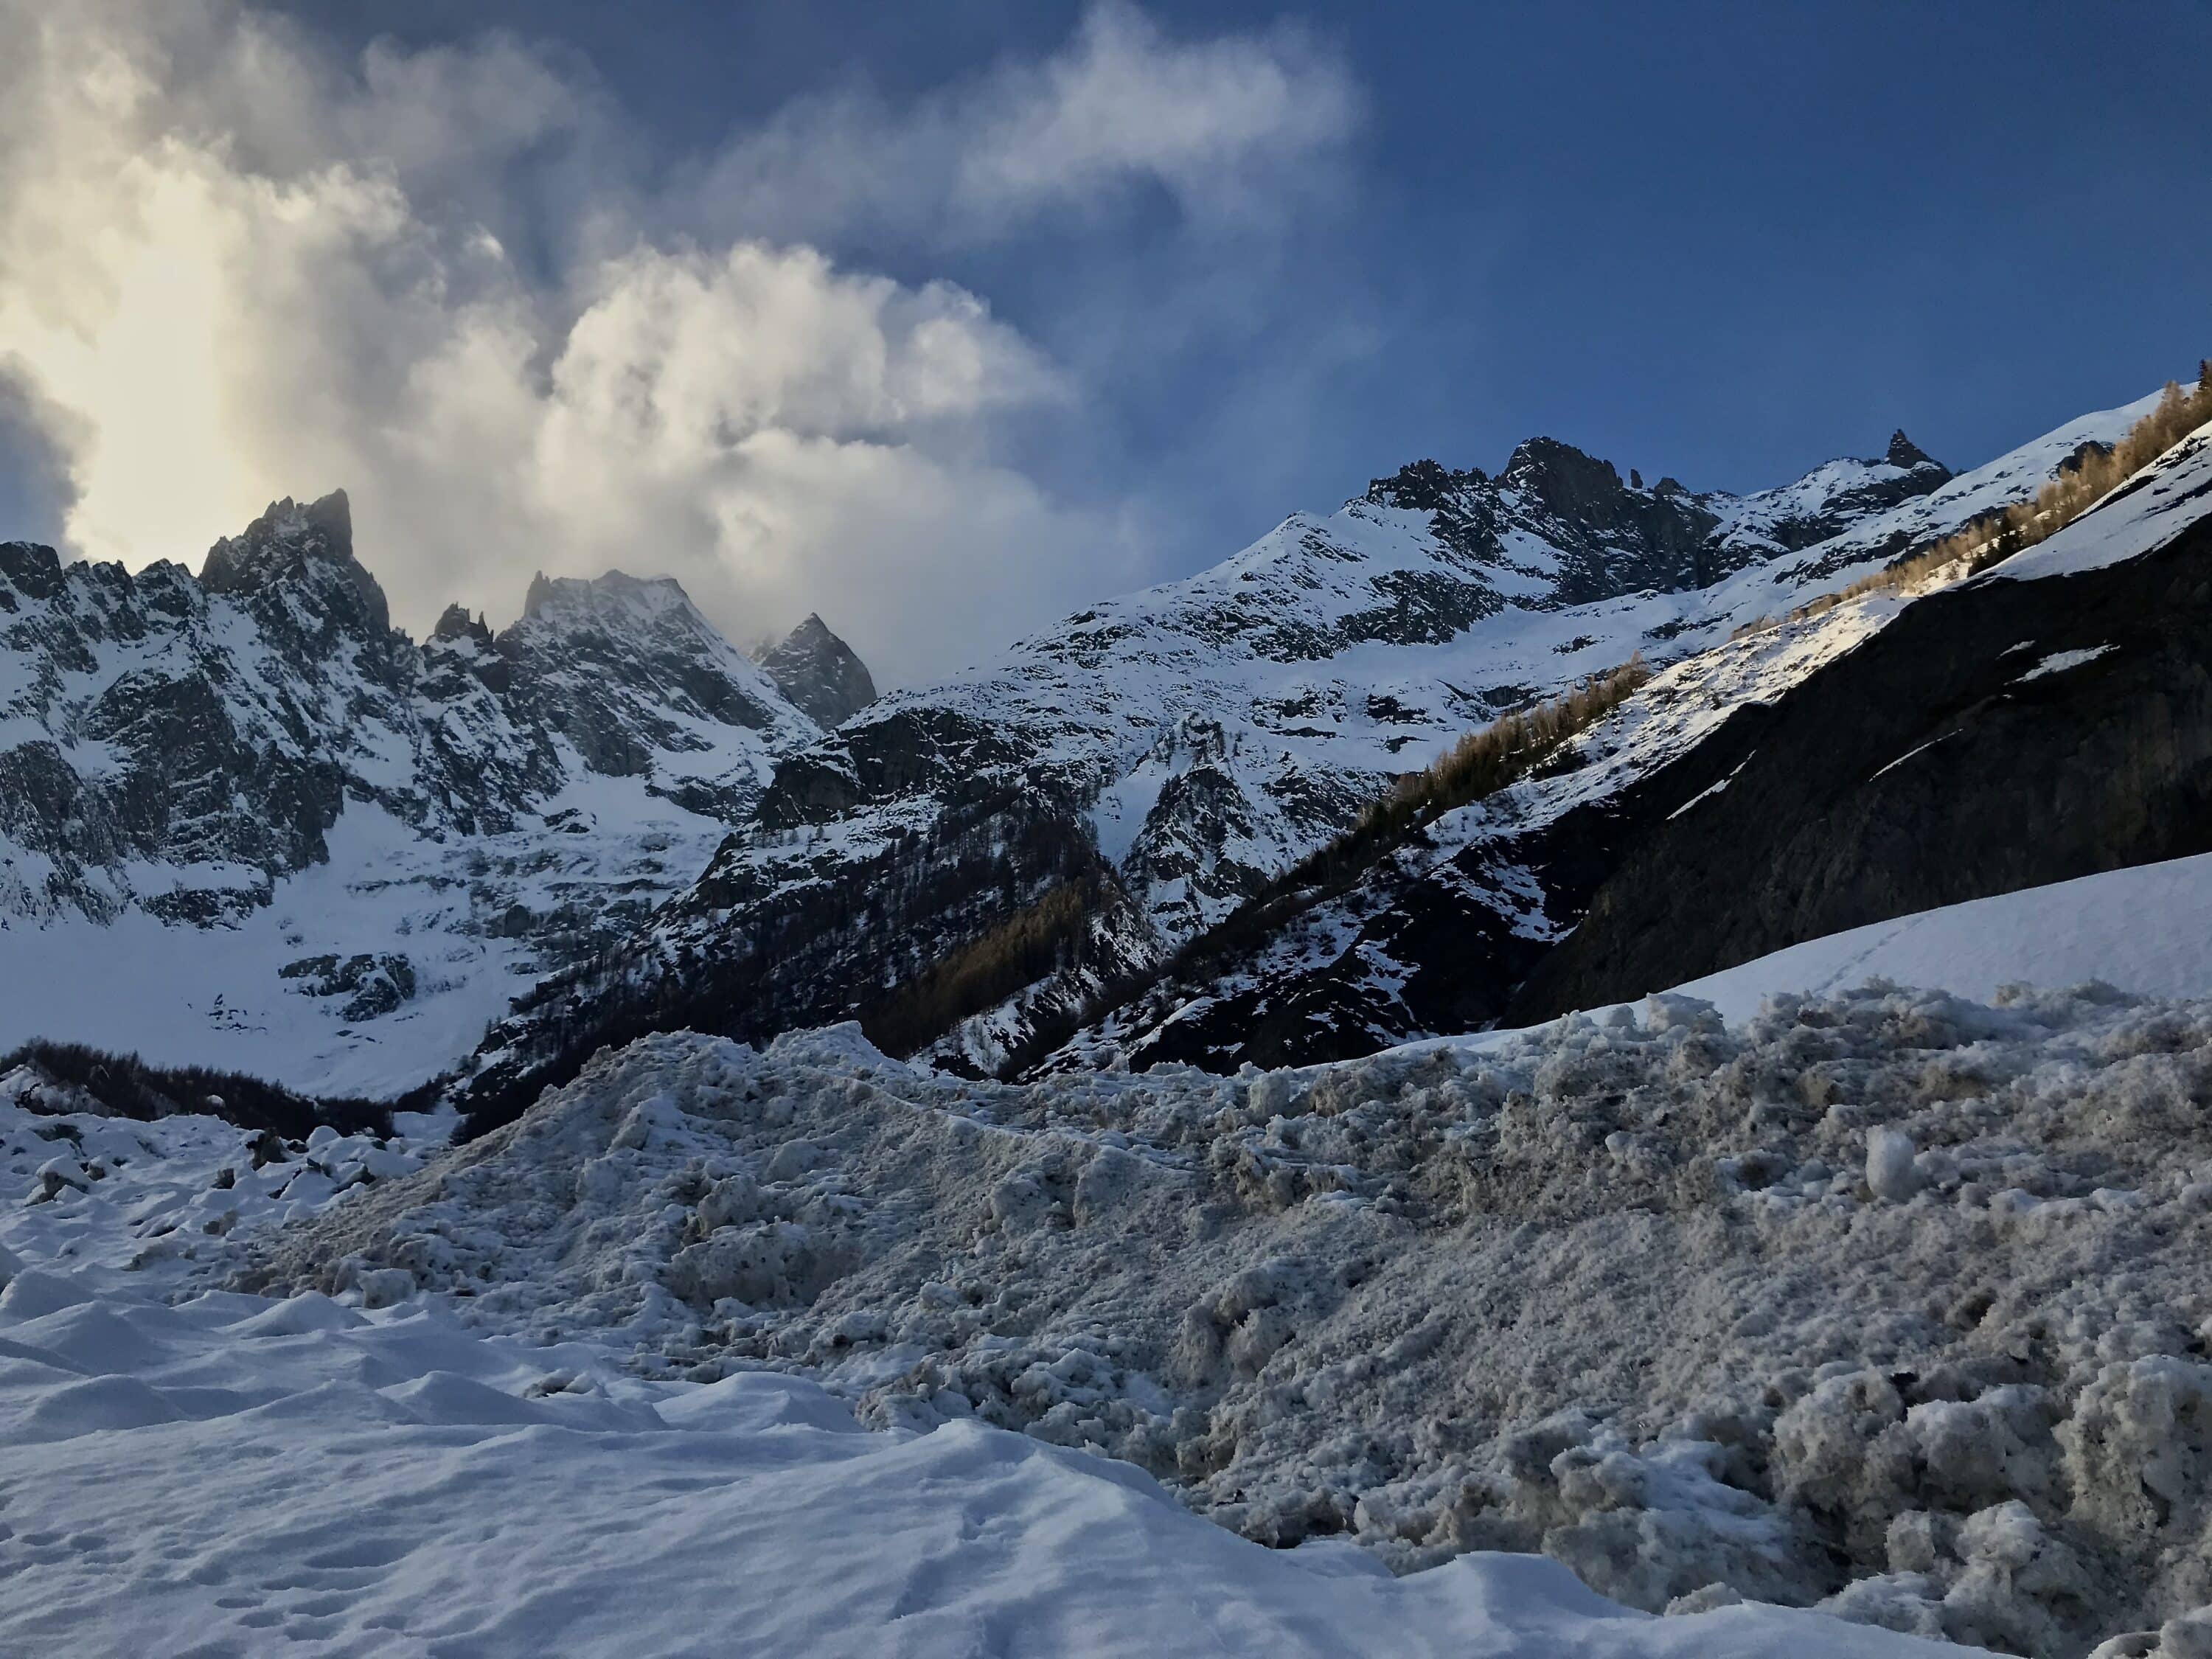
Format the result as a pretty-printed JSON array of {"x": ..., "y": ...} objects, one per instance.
[
  {"x": 1284, "y": 685},
  {"x": 2146, "y": 512},
  {"x": 1107, "y": 789},
  {"x": 246, "y": 822},
  {"x": 2142, "y": 929}
]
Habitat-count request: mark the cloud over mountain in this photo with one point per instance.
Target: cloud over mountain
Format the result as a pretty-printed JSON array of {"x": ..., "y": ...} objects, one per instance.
[{"x": 456, "y": 281}]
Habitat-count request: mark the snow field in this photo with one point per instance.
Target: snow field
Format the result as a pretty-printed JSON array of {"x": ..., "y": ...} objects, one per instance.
[{"x": 2141, "y": 928}]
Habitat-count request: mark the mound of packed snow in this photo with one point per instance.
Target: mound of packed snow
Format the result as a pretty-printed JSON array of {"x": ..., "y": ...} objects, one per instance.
[
  {"x": 1893, "y": 1302},
  {"x": 228, "y": 1474}
]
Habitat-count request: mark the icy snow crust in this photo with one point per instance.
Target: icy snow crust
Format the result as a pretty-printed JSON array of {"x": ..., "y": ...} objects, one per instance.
[
  {"x": 217, "y": 1473},
  {"x": 1891, "y": 1302}
]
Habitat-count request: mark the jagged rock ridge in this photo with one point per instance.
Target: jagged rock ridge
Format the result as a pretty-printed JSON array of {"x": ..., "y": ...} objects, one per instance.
[{"x": 477, "y": 809}]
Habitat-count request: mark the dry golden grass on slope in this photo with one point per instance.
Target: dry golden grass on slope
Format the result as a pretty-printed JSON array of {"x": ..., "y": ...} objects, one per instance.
[{"x": 1995, "y": 538}]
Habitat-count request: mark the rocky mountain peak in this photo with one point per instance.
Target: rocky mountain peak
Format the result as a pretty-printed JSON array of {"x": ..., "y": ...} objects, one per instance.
[
  {"x": 1903, "y": 452},
  {"x": 1422, "y": 486},
  {"x": 1565, "y": 477},
  {"x": 629, "y": 672},
  {"x": 287, "y": 532},
  {"x": 455, "y": 622},
  {"x": 31, "y": 568},
  {"x": 600, "y": 596},
  {"x": 819, "y": 673},
  {"x": 304, "y": 551}
]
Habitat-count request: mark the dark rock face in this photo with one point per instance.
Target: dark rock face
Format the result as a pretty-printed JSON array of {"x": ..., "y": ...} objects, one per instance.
[
  {"x": 1923, "y": 769},
  {"x": 1638, "y": 540},
  {"x": 374, "y": 983},
  {"x": 820, "y": 673},
  {"x": 1621, "y": 538},
  {"x": 826, "y": 934},
  {"x": 455, "y": 624},
  {"x": 908, "y": 750},
  {"x": 1418, "y": 946},
  {"x": 1903, "y": 452},
  {"x": 1616, "y": 538}
]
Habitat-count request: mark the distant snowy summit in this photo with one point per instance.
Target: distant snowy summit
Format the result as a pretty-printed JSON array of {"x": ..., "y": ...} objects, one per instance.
[
  {"x": 185, "y": 750},
  {"x": 193, "y": 740}
]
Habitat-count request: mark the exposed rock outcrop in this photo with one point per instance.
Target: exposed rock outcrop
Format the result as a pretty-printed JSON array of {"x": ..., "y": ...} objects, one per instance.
[{"x": 819, "y": 673}]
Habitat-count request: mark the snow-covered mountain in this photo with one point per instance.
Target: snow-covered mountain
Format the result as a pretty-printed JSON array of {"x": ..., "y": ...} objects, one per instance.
[
  {"x": 1835, "y": 769},
  {"x": 249, "y": 825},
  {"x": 245, "y": 822},
  {"x": 966, "y": 866},
  {"x": 1899, "y": 1293}
]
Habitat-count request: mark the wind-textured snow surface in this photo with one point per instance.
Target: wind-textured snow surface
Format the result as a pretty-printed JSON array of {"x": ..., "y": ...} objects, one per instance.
[
  {"x": 205, "y": 1473},
  {"x": 1891, "y": 1303}
]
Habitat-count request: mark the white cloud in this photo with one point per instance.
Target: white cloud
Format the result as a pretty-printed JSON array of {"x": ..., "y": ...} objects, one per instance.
[
  {"x": 1236, "y": 130},
  {"x": 1209, "y": 120},
  {"x": 231, "y": 268}
]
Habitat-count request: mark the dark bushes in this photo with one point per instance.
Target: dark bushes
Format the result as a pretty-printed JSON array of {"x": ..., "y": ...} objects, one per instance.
[
  {"x": 979, "y": 974},
  {"x": 128, "y": 1087}
]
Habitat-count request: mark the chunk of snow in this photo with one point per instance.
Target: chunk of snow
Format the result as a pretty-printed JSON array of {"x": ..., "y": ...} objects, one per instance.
[
  {"x": 2059, "y": 661},
  {"x": 1889, "y": 1171}
]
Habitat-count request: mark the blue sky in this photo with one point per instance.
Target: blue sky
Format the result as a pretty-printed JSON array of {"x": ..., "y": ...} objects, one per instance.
[{"x": 1720, "y": 241}]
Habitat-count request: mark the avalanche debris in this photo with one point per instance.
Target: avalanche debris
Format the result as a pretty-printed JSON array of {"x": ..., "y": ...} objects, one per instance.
[{"x": 1890, "y": 1303}]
